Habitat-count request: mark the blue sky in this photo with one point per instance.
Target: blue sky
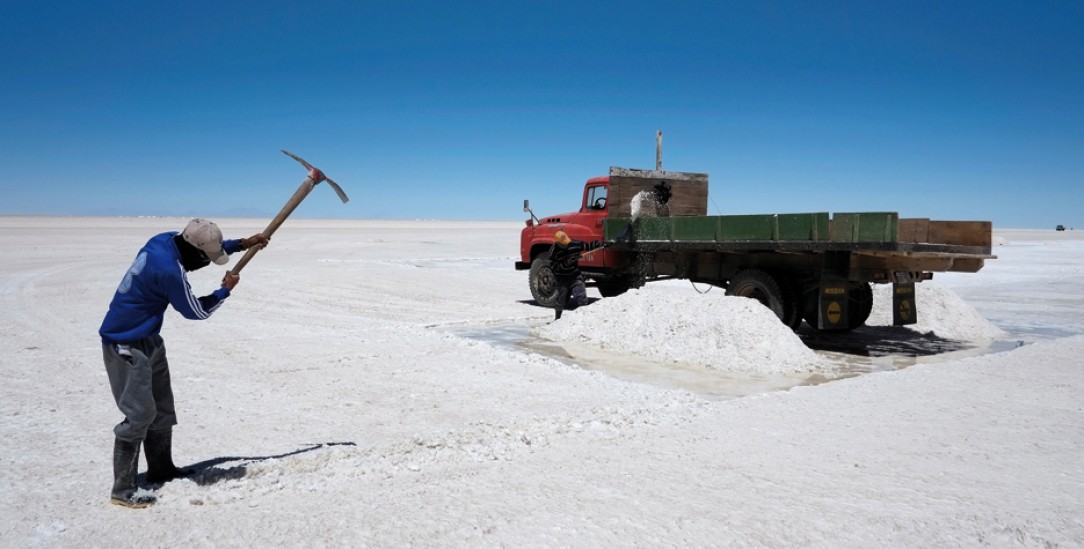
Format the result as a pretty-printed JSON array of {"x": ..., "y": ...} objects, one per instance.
[{"x": 460, "y": 110}]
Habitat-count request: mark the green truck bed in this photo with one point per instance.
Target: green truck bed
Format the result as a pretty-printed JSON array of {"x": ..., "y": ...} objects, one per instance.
[{"x": 878, "y": 232}]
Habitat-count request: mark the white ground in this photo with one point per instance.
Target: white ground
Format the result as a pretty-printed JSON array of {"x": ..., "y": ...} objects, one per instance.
[{"x": 337, "y": 402}]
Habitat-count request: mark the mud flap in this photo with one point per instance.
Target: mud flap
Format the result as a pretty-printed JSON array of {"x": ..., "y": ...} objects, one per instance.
[
  {"x": 832, "y": 306},
  {"x": 904, "y": 307}
]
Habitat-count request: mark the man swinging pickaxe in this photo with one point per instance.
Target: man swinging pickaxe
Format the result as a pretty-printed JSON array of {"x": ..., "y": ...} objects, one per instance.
[{"x": 315, "y": 177}]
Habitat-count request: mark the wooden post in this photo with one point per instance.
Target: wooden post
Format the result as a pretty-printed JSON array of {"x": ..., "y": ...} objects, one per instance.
[{"x": 658, "y": 151}]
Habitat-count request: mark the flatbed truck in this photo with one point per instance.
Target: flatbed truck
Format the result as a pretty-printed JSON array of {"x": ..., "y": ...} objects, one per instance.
[{"x": 815, "y": 267}]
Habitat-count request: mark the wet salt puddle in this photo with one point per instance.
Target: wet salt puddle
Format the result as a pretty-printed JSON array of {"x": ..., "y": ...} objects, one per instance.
[{"x": 866, "y": 350}]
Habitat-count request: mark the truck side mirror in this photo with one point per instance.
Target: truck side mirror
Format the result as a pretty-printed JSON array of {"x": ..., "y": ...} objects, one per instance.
[{"x": 527, "y": 208}]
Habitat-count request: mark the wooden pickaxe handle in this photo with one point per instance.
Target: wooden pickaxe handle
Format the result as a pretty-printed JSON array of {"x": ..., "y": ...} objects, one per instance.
[
  {"x": 589, "y": 252},
  {"x": 291, "y": 205},
  {"x": 315, "y": 177}
]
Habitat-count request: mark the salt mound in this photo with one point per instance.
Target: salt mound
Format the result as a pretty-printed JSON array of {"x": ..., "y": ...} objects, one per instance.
[
  {"x": 713, "y": 330},
  {"x": 940, "y": 311}
]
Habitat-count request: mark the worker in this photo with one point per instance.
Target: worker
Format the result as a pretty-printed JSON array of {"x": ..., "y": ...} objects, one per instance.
[
  {"x": 648, "y": 203},
  {"x": 134, "y": 354},
  {"x": 565, "y": 264}
]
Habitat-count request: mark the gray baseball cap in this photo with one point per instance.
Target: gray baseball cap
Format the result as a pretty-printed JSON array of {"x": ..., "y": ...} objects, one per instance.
[{"x": 206, "y": 236}]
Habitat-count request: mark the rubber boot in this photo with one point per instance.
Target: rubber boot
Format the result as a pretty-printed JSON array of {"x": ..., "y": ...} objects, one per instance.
[
  {"x": 159, "y": 450},
  {"x": 125, "y": 466}
]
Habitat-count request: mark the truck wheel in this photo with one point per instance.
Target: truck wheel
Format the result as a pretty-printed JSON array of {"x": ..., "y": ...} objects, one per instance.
[
  {"x": 859, "y": 306},
  {"x": 810, "y": 304},
  {"x": 792, "y": 300},
  {"x": 543, "y": 283},
  {"x": 760, "y": 286},
  {"x": 859, "y": 303}
]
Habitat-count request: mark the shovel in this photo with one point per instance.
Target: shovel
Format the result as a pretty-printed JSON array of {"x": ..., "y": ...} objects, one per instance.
[
  {"x": 588, "y": 253},
  {"x": 314, "y": 178}
]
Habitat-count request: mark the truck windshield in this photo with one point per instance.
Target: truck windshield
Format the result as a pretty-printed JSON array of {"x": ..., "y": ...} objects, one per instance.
[{"x": 596, "y": 197}]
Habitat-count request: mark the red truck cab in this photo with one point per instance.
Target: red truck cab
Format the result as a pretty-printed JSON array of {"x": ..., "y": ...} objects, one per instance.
[
  {"x": 613, "y": 270},
  {"x": 585, "y": 225},
  {"x": 600, "y": 269}
]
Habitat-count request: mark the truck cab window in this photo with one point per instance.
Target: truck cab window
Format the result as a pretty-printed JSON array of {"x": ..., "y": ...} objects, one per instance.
[{"x": 596, "y": 198}]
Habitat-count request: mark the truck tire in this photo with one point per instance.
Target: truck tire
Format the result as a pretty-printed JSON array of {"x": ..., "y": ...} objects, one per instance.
[
  {"x": 761, "y": 286},
  {"x": 859, "y": 306},
  {"x": 859, "y": 303},
  {"x": 792, "y": 300},
  {"x": 543, "y": 283}
]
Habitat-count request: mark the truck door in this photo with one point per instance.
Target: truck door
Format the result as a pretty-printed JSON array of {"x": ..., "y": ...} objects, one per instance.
[
  {"x": 594, "y": 211},
  {"x": 595, "y": 199}
]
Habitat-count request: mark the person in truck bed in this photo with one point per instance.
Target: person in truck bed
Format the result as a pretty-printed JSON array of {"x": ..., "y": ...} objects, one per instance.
[{"x": 565, "y": 263}]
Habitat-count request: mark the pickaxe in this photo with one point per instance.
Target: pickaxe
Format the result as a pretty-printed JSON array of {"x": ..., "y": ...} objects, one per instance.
[{"x": 314, "y": 178}]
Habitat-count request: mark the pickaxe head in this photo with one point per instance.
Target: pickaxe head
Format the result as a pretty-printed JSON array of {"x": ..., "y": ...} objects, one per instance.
[{"x": 317, "y": 176}]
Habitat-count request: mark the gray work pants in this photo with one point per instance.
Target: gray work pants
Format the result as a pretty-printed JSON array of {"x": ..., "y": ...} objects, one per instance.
[
  {"x": 571, "y": 293},
  {"x": 141, "y": 387}
]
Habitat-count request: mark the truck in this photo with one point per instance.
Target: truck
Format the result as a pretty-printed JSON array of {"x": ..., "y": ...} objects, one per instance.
[{"x": 815, "y": 267}]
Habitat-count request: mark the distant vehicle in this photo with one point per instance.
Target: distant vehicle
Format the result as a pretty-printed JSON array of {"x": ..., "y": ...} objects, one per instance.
[{"x": 1059, "y": 228}]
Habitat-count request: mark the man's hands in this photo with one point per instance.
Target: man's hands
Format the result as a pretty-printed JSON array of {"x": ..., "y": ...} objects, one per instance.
[
  {"x": 258, "y": 240},
  {"x": 230, "y": 281}
]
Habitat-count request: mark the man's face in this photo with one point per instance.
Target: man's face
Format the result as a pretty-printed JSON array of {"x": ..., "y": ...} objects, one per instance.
[
  {"x": 195, "y": 262},
  {"x": 192, "y": 258},
  {"x": 203, "y": 261}
]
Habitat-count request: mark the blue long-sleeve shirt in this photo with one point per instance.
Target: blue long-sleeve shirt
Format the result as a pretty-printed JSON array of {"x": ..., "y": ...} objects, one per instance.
[{"x": 156, "y": 280}]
